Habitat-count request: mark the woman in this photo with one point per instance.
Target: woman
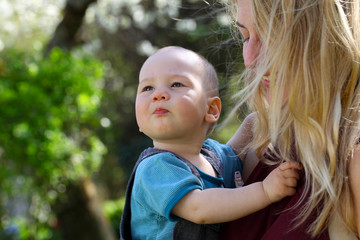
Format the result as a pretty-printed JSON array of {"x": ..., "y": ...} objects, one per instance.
[{"x": 302, "y": 61}]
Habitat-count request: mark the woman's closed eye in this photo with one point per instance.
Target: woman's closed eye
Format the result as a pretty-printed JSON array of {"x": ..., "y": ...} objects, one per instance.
[
  {"x": 243, "y": 32},
  {"x": 244, "y": 40}
]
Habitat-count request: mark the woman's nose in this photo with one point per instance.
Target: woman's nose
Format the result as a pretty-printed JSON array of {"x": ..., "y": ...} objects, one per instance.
[
  {"x": 251, "y": 52},
  {"x": 161, "y": 95}
]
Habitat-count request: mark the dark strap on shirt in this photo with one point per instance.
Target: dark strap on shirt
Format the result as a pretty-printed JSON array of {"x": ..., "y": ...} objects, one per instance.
[
  {"x": 186, "y": 230},
  {"x": 210, "y": 155}
]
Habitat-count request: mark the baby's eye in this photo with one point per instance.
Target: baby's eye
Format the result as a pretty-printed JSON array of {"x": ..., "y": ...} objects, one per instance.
[
  {"x": 147, "y": 88},
  {"x": 177, "y": 84}
]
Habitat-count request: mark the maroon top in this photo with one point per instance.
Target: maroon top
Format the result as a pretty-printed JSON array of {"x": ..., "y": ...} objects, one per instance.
[{"x": 271, "y": 223}]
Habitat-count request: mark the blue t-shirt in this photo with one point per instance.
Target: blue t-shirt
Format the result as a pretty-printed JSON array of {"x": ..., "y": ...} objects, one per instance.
[{"x": 161, "y": 180}]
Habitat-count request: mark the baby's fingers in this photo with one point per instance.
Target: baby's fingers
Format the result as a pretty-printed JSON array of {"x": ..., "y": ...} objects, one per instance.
[
  {"x": 290, "y": 173},
  {"x": 291, "y": 182},
  {"x": 290, "y": 165},
  {"x": 290, "y": 192}
]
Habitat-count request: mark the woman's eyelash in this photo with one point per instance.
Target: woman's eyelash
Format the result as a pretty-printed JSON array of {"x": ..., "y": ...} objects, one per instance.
[{"x": 245, "y": 39}]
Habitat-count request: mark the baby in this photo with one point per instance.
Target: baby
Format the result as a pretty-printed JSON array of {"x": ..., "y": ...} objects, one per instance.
[{"x": 185, "y": 177}]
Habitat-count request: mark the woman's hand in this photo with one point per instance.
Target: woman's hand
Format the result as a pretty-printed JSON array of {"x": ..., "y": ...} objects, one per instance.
[{"x": 243, "y": 135}]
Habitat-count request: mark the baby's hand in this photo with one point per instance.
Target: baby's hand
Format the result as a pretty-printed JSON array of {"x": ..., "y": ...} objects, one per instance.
[{"x": 282, "y": 181}]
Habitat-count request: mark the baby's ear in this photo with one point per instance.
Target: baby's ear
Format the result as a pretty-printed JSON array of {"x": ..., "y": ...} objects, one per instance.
[{"x": 214, "y": 109}]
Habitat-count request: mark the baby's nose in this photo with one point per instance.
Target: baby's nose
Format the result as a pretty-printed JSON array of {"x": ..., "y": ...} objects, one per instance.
[{"x": 160, "y": 95}]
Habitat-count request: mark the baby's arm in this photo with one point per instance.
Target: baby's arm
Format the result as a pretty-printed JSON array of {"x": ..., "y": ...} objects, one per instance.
[{"x": 216, "y": 205}]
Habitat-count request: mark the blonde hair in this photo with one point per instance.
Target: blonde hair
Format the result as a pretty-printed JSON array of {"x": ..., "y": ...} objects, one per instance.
[{"x": 312, "y": 48}]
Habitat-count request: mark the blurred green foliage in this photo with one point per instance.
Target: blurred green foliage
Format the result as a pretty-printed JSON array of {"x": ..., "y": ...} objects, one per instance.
[
  {"x": 199, "y": 25},
  {"x": 51, "y": 108},
  {"x": 48, "y": 110},
  {"x": 113, "y": 210}
]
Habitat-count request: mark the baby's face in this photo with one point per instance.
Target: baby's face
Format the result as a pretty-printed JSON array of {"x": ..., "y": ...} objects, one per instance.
[{"x": 171, "y": 101}]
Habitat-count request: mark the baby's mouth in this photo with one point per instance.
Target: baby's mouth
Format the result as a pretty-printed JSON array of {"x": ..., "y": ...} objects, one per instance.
[{"x": 160, "y": 111}]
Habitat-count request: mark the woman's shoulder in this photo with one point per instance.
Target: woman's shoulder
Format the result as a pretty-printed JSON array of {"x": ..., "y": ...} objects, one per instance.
[{"x": 338, "y": 229}]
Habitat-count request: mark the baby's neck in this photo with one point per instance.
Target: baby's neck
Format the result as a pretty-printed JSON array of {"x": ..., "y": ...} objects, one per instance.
[{"x": 189, "y": 151}]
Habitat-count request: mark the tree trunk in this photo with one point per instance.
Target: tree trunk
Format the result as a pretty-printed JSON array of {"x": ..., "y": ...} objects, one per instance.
[
  {"x": 80, "y": 215},
  {"x": 79, "y": 211},
  {"x": 65, "y": 33}
]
